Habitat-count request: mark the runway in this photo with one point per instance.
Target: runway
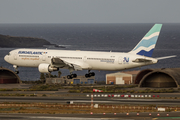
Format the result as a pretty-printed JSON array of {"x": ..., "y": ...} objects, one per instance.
[
  {"x": 87, "y": 100},
  {"x": 65, "y": 93},
  {"x": 110, "y": 116},
  {"x": 107, "y": 100}
]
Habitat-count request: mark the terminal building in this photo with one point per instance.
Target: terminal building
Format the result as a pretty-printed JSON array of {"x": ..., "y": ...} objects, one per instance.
[{"x": 77, "y": 80}]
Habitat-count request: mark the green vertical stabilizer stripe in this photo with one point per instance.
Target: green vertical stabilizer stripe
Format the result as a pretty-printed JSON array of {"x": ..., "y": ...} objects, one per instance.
[{"x": 155, "y": 28}]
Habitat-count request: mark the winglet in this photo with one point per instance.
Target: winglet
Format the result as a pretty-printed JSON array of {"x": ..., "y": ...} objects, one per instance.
[{"x": 147, "y": 44}]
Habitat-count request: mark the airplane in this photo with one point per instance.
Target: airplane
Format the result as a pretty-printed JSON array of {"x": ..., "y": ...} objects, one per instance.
[{"x": 52, "y": 60}]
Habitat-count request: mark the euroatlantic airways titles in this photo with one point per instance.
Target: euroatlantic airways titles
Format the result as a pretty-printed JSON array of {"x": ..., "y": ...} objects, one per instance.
[{"x": 53, "y": 60}]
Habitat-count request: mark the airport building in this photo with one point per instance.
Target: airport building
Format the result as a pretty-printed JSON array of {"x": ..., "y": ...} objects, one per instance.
[
  {"x": 77, "y": 80},
  {"x": 152, "y": 78},
  {"x": 8, "y": 76},
  {"x": 121, "y": 77}
]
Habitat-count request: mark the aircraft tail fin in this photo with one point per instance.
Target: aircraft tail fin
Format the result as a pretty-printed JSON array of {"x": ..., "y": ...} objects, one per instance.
[{"x": 147, "y": 44}]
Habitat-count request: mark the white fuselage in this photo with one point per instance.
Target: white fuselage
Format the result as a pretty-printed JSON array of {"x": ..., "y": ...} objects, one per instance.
[{"x": 89, "y": 60}]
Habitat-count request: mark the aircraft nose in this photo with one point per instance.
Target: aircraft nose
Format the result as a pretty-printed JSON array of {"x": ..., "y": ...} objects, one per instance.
[{"x": 6, "y": 58}]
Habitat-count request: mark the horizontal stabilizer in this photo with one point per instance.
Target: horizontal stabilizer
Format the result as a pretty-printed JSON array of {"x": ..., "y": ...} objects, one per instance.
[
  {"x": 140, "y": 60},
  {"x": 166, "y": 57}
]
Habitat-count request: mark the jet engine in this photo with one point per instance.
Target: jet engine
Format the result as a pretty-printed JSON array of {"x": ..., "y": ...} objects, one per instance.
[{"x": 46, "y": 68}]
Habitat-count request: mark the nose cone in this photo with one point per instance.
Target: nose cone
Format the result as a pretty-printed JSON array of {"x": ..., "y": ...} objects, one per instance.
[{"x": 6, "y": 58}]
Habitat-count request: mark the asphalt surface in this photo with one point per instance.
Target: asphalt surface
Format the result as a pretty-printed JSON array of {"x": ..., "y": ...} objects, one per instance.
[
  {"x": 106, "y": 100},
  {"x": 65, "y": 92},
  {"x": 118, "y": 116},
  {"x": 82, "y": 98}
]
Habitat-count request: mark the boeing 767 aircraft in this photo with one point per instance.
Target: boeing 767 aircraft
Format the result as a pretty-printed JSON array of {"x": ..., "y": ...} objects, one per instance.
[{"x": 53, "y": 60}]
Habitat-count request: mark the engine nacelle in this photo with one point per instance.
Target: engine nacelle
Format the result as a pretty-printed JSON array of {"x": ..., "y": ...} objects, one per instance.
[{"x": 46, "y": 68}]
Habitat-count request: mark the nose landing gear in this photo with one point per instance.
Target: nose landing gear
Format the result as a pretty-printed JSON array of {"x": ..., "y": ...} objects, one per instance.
[
  {"x": 16, "y": 69},
  {"x": 17, "y": 72}
]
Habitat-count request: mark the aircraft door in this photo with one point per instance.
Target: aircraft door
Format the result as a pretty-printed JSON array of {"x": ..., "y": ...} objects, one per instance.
[
  {"x": 120, "y": 60},
  {"x": 84, "y": 58},
  {"x": 15, "y": 56},
  {"x": 44, "y": 57}
]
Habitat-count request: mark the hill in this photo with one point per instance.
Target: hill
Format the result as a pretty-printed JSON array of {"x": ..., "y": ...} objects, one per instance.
[{"x": 25, "y": 42}]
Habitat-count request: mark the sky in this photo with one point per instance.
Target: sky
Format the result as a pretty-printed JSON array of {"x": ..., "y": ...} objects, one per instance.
[{"x": 89, "y": 11}]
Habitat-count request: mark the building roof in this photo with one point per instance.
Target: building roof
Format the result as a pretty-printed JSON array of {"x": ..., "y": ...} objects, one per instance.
[
  {"x": 124, "y": 73},
  {"x": 131, "y": 72}
]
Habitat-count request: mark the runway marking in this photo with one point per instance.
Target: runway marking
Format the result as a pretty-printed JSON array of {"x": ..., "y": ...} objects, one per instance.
[
  {"x": 75, "y": 118},
  {"x": 141, "y": 99},
  {"x": 65, "y": 118},
  {"x": 167, "y": 118},
  {"x": 90, "y": 101}
]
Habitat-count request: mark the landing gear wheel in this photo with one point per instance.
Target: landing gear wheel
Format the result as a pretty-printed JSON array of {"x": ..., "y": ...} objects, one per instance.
[
  {"x": 69, "y": 77},
  {"x": 17, "y": 72},
  {"x": 87, "y": 75},
  {"x": 73, "y": 75},
  {"x": 92, "y": 74}
]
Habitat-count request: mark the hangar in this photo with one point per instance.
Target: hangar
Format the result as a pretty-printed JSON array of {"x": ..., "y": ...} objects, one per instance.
[
  {"x": 8, "y": 76},
  {"x": 159, "y": 78}
]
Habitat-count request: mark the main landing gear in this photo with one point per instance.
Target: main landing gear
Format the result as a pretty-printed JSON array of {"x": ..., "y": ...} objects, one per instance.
[
  {"x": 71, "y": 76},
  {"x": 86, "y": 75},
  {"x": 89, "y": 74},
  {"x": 16, "y": 69}
]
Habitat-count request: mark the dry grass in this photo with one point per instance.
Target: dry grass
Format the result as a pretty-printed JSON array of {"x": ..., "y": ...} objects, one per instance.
[
  {"x": 72, "y": 109},
  {"x": 67, "y": 110}
]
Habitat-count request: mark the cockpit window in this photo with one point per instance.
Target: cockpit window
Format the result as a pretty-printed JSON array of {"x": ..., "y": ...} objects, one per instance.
[{"x": 9, "y": 54}]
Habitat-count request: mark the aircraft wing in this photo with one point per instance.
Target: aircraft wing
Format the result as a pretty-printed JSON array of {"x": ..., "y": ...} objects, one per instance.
[
  {"x": 74, "y": 66},
  {"x": 62, "y": 63}
]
